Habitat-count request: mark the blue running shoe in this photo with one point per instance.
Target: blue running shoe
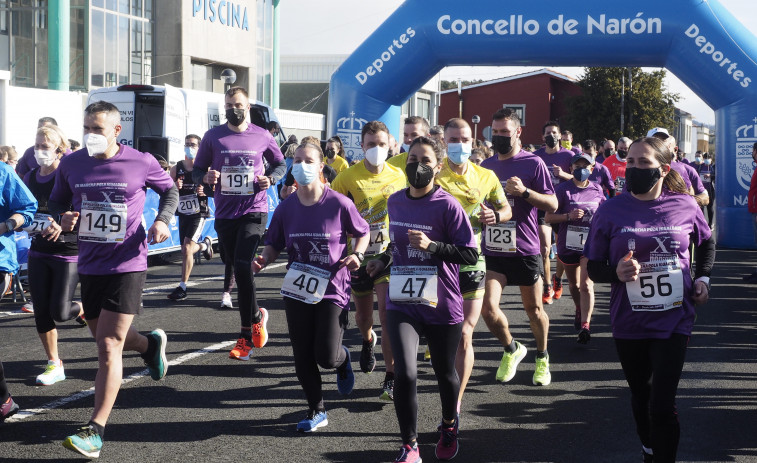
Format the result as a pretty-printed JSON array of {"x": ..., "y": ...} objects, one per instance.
[
  {"x": 86, "y": 441},
  {"x": 158, "y": 364},
  {"x": 345, "y": 378},
  {"x": 313, "y": 421}
]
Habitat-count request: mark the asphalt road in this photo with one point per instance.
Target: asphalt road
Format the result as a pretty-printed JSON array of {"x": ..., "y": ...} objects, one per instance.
[{"x": 211, "y": 408}]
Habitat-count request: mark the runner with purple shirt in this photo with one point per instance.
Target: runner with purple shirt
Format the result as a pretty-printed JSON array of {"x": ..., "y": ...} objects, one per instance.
[
  {"x": 639, "y": 242},
  {"x": 687, "y": 173},
  {"x": 577, "y": 201},
  {"x": 53, "y": 275},
  {"x": 231, "y": 157},
  {"x": 312, "y": 225},
  {"x": 511, "y": 249},
  {"x": 106, "y": 184},
  {"x": 431, "y": 237},
  {"x": 557, "y": 160}
]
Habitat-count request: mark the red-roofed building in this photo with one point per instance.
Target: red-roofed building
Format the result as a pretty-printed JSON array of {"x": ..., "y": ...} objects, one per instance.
[{"x": 538, "y": 96}]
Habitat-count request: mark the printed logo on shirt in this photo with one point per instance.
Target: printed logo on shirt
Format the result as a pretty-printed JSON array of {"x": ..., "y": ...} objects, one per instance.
[
  {"x": 413, "y": 253},
  {"x": 388, "y": 190}
]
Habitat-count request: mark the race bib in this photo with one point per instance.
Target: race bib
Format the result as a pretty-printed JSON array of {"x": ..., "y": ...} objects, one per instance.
[
  {"x": 379, "y": 239},
  {"x": 659, "y": 287},
  {"x": 305, "y": 283},
  {"x": 576, "y": 237},
  {"x": 414, "y": 285},
  {"x": 102, "y": 222},
  {"x": 237, "y": 180},
  {"x": 501, "y": 237},
  {"x": 40, "y": 223},
  {"x": 706, "y": 178},
  {"x": 189, "y": 204}
]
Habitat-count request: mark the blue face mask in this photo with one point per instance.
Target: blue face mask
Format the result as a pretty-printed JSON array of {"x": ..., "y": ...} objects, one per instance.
[
  {"x": 581, "y": 174},
  {"x": 459, "y": 152},
  {"x": 304, "y": 173},
  {"x": 190, "y": 152},
  {"x": 708, "y": 161}
]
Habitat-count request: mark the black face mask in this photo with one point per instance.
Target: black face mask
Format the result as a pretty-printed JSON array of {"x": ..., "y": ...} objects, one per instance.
[
  {"x": 419, "y": 175},
  {"x": 608, "y": 152},
  {"x": 640, "y": 181},
  {"x": 330, "y": 154},
  {"x": 622, "y": 154},
  {"x": 502, "y": 144},
  {"x": 235, "y": 116},
  {"x": 551, "y": 141}
]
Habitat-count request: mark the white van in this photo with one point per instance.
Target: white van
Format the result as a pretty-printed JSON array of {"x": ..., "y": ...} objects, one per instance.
[{"x": 156, "y": 118}]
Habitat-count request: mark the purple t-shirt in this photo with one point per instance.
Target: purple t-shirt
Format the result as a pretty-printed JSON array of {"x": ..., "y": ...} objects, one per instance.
[
  {"x": 659, "y": 233},
  {"x": 560, "y": 158},
  {"x": 534, "y": 175},
  {"x": 602, "y": 176},
  {"x": 317, "y": 236},
  {"x": 109, "y": 194},
  {"x": 441, "y": 217},
  {"x": 239, "y": 158},
  {"x": 690, "y": 176},
  {"x": 573, "y": 233}
]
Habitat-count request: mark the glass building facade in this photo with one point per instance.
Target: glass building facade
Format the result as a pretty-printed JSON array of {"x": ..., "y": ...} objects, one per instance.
[{"x": 112, "y": 43}]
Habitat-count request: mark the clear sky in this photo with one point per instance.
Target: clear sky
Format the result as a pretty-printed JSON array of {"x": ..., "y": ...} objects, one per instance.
[{"x": 340, "y": 26}]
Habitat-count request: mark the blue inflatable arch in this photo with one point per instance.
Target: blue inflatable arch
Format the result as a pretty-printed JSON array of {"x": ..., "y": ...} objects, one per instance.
[{"x": 697, "y": 40}]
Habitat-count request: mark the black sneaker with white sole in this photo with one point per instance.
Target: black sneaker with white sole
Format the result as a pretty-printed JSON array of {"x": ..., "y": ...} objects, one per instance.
[{"x": 178, "y": 294}]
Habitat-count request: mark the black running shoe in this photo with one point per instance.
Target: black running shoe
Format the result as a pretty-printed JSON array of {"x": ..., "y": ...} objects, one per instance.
[
  {"x": 178, "y": 294},
  {"x": 584, "y": 336},
  {"x": 367, "y": 357}
]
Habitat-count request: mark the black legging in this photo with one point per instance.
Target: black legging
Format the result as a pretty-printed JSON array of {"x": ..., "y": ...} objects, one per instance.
[
  {"x": 316, "y": 332},
  {"x": 4, "y": 394},
  {"x": 404, "y": 333},
  {"x": 228, "y": 270},
  {"x": 653, "y": 368},
  {"x": 241, "y": 237},
  {"x": 52, "y": 284}
]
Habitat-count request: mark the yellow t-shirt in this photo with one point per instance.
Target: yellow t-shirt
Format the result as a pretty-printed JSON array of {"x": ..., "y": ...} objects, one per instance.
[
  {"x": 472, "y": 188},
  {"x": 369, "y": 192},
  {"x": 398, "y": 161},
  {"x": 338, "y": 165}
]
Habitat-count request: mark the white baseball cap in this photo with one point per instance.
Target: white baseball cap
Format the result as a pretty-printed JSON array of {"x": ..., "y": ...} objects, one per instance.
[{"x": 659, "y": 132}]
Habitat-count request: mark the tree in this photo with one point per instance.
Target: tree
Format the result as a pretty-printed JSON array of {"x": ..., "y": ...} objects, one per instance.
[{"x": 596, "y": 113}]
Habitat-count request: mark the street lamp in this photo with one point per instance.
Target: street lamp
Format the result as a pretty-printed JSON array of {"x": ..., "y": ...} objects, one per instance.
[
  {"x": 228, "y": 76},
  {"x": 476, "y": 119}
]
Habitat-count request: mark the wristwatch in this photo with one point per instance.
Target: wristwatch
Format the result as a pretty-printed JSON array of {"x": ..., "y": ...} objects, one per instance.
[
  {"x": 496, "y": 217},
  {"x": 526, "y": 194},
  {"x": 360, "y": 256},
  {"x": 432, "y": 247}
]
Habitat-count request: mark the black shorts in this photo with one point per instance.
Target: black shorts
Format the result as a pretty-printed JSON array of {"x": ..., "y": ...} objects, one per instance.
[
  {"x": 472, "y": 284},
  {"x": 120, "y": 293},
  {"x": 362, "y": 284},
  {"x": 569, "y": 259},
  {"x": 190, "y": 226},
  {"x": 540, "y": 218},
  {"x": 520, "y": 270}
]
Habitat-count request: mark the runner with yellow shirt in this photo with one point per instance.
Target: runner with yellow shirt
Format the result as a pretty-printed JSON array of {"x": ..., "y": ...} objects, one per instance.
[
  {"x": 369, "y": 183},
  {"x": 472, "y": 186},
  {"x": 415, "y": 126}
]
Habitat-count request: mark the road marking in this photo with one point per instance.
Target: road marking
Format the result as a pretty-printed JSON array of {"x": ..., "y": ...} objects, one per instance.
[
  {"x": 23, "y": 414},
  {"x": 154, "y": 289}
]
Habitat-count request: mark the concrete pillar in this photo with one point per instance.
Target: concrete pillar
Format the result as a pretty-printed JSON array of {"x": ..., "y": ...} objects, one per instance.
[
  {"x": 5, "y": 82},
  {"x": 275, "y": 72},
  {"x": 58, "y": 43}
]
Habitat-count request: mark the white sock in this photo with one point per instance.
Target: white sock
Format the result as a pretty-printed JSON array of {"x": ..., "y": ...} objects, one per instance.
[
  {"x": 203, "y": 246},
  {"x": 183, "y": 286},
  {"x": 646, "y": 450}
]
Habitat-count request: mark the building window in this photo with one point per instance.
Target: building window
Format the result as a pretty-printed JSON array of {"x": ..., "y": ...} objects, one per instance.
[
  {"x": 264, "y": 50},
  {"x": 519, "y": 109},
  {"x": 124, "y": 29},
  {"x": 423, "y": 106}
]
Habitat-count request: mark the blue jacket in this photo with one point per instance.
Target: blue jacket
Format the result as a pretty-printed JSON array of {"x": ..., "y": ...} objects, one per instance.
[{"x": 15, "y": 198}]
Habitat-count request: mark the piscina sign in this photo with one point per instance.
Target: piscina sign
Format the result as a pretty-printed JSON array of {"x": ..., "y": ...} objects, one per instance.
[
  {"x": 698, "y": 41},
  {"x": 224, "y": 12}
]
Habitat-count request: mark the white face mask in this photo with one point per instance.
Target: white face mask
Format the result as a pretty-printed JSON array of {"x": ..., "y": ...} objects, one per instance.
[
  {"x": 45, "y": 158},
  {"x": 376, "y": 156},
  {"x": 95, "y": 143}
]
